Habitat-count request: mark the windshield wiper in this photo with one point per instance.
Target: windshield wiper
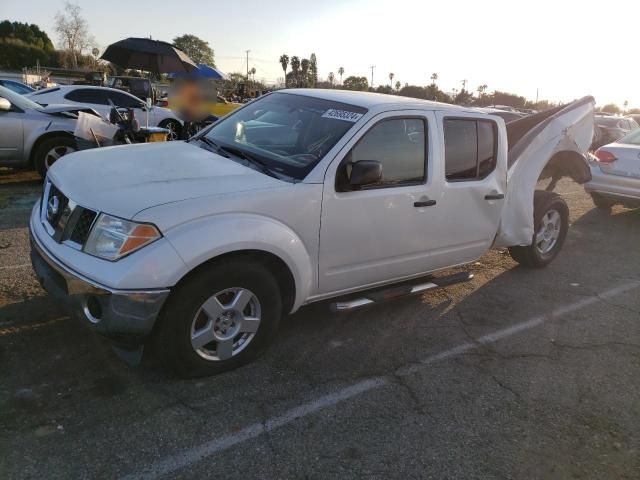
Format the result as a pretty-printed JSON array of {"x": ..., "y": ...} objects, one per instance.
[
  {"x": 207, "y": 141},
  {"x": 251, "y": 159}
]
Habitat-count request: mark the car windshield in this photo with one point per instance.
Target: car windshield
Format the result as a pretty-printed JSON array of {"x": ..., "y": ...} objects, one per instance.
[
  {"x": 632, "y": 138},
  {"x": 18, "y": 87},
  {"x": 18, "y": 100},
  {"x": 289, "y": 133}
]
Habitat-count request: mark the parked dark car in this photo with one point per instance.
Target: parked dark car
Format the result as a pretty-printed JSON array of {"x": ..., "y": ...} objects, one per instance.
[
  {"x": 609, "y": 129},
  {"x": 17, "y": 87},
  {"x": 140, "y": 87}
]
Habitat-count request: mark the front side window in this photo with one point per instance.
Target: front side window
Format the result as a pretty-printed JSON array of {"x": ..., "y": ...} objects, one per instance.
[
  {"x": 289, "y": 133},
  {"x": 399, "y": 145},
  {"x": 470, "y": 148}
]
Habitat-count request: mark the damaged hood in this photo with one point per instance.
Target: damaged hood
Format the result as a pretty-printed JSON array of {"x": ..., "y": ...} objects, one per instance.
[
  {"x": 550, "y": 144},
  {"x": 74, "y": 109},
  {"x": 125, "y": 180}
]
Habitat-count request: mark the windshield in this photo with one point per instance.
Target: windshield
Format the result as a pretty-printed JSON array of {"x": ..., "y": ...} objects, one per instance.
[
  {"x": 18, "y": 100},
  {"x": 289, "y": 133},
  {"x": 632, "y": 138}
]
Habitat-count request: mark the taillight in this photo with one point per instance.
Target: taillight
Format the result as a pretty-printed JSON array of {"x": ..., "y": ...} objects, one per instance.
[{"x": 604, "y": 156}]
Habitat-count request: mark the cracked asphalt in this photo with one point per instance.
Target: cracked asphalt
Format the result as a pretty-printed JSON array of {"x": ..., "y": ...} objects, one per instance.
[{"x": 517, "y": 374}]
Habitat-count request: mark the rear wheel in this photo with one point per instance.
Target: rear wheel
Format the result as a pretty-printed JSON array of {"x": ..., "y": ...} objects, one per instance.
[
  {"x": 601, "y": 202},
  {"x": 551, "y": 223},
  {"x": 49, "y": 151},
  {"x": 219, "y": 319}
]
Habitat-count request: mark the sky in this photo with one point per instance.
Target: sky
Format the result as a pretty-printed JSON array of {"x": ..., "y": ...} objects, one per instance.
[{"x": 562, "y": 49}]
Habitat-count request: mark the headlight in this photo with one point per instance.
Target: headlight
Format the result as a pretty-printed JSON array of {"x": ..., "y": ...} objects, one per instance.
[{"x": 112, "y": 238}]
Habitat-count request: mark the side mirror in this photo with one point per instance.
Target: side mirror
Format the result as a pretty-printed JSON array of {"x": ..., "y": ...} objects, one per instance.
[
  {"x": 5, "y": 105},
  {"x": 365, "y": 172}
]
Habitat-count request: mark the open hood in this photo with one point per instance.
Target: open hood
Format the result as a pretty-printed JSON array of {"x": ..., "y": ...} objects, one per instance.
[{"x": 550, "y": 144}]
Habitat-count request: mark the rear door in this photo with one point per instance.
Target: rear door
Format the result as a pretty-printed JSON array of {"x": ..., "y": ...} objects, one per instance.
[{"x": 475, "y": 181}]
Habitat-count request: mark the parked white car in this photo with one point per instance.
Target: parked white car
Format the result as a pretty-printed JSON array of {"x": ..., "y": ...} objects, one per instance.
[
  {"x": 298, "y": 196},
  {"x": 98, "y": 99},
  {"x": 615, "y": 169}
]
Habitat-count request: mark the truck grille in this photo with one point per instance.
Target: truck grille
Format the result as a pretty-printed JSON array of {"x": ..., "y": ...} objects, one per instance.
[{"x": 65, "y": 220}]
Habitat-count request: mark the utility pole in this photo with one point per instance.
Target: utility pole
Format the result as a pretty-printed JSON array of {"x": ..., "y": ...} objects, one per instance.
[
  {"x": 248, "y": 65},
  {"x": 372, "y": 67},
  {"x": 537, "y": 91}
]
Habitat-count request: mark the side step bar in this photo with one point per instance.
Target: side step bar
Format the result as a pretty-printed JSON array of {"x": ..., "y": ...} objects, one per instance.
[{"x": 389, "y": 293}]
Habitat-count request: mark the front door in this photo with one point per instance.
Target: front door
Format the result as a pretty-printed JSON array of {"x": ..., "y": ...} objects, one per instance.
[
  {"x": 11, "y": 136},
  {"x": 390, "y": 229}
]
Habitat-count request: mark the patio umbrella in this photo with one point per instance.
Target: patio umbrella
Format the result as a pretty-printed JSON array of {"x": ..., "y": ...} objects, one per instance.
[
  {"x": 202, "y": 71},
  {"x": 149, "y": 55}
]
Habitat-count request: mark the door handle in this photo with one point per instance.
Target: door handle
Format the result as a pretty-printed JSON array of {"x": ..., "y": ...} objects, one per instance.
[
  {"x": 424, "y": 203},
  {"x": 494, "y": 196}
]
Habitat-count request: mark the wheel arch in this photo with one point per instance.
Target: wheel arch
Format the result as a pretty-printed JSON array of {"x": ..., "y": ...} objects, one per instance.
[
  {"x": 43, "y": 138},
  {"x": 281, "y": 271},
  {"x": 566, "y": 163}
]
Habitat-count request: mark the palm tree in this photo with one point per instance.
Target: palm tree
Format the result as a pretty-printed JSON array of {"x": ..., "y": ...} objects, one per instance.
[
  {"x": 434, "y": 78},
  {"x": 331, "y": 78},
  {"x": 305, "y": 64},
  {"x": 284, "y": 61},
  {"x": 295, "y": 66},
  {"x": 481, "y": 89},
  {"x": 398, "y": 85},
  {"x": 253, "y": 73},
  {"x": 341, "y": 72},
  {"x": 391, "y": 75}
]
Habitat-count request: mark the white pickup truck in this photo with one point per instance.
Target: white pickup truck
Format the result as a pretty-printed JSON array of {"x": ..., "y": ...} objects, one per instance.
[{"x": 197, "y": 248}]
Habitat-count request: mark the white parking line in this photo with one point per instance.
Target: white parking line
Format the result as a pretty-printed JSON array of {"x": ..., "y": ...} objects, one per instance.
[{"x": 195, "y": 454}]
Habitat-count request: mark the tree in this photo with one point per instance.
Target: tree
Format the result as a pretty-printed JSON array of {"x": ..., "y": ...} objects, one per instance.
[
  {"x": 341, "y": 72},
  {"x": 434, "y": 78},
  {"x": 73, "y": 32},
  {"x": 398, "y": 85},
  {"x": 356, "y": 83},
  {"x": 198, "y": 50},
  {"x": 23, "y": 44},
  {"x": 313, "y": 69},
  {"x": 284, "y": 62},
  {"x": 253, "y": 73},
  {"x": 611, "y": 108},
  {"x": 331, "y": 78},
  {"x": 391, "y": 75}
]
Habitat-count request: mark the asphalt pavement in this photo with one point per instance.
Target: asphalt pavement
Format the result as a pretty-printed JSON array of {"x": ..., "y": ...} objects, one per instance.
[{"x": 518, "y": 374}]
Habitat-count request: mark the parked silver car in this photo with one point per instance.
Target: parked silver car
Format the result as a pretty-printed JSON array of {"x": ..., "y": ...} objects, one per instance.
[
  {"x": 615, "y": 171},
  {"x": 35, "y": 136}
]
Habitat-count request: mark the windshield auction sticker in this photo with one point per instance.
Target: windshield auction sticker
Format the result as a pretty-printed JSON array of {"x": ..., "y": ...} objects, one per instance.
[{"x": 345, "y": 115}]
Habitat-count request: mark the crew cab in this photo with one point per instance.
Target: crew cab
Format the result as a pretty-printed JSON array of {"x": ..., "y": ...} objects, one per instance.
[{"x": 197, "y": 248}]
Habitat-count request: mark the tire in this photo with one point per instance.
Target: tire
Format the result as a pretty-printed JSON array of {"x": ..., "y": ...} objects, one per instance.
[
  {"x": 601, "y": 202},
  {"x": 174, "y": 127},
  {"x": 183, "y": 317},
  {"x": 550, "y": 211},
  {"x": 51, "y": 150}
]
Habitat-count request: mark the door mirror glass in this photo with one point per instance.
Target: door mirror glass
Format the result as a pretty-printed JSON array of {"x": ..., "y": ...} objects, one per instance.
[
  {"x": 365, "y": 172},
  {"x": 5, "y": 105}
]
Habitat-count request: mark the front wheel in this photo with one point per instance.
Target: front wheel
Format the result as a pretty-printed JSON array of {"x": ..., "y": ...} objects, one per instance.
[
  {"x": 50, "y": 151},
  {"x": 219, "y": 319},
  {"x": 551, "y": 222}
]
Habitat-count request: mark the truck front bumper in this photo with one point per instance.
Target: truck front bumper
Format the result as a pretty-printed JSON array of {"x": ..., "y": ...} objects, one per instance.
[{"x": 124, "y": 315}]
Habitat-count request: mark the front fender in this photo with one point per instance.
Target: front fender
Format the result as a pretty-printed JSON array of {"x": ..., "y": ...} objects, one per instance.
[
  {"x": 206, "y": 238},
  {"x": 32, "y": 136}
]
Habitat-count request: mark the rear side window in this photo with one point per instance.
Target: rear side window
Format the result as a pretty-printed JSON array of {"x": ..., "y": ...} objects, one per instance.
[
  {"x": 87, "y": 95},
  {"x": 470, "y": 148},
  {"x": 399, "y": 144}
]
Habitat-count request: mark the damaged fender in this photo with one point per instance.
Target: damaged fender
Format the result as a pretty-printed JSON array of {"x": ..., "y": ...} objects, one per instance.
[{"x": 550, "y": 144}]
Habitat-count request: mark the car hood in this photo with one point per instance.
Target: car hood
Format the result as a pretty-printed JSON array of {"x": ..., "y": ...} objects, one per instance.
[
  {"x": 57, "y": 109},
  {"x": 124, "y": 180}
]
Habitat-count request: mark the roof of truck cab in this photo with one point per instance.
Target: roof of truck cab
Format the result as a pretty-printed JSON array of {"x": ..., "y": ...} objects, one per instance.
[{"x": 370, "y": 100}]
